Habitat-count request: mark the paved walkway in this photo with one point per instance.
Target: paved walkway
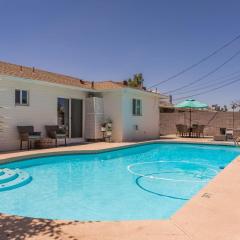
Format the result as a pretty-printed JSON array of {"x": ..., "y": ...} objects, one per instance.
[{"x": 213, "y": 214}]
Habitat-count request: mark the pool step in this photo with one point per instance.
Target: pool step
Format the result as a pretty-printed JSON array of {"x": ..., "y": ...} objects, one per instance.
[
  {"x": 8, "y": 175},
  {"x": 13, "y": 178},
  {"x": 1, "y": 172}
]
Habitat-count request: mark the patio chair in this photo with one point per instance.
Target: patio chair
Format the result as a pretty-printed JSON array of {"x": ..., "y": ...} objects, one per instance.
[
  {"x": 27, "y": 134},
  {"x": 54, "y": 132},
  {"x": 194, "y": 130},
  {"x": 198, "y": 130},
  {"x": 182, "y": 130},
  {"x": 179, "y": 129},
  {"x": 201, "y": 130}
]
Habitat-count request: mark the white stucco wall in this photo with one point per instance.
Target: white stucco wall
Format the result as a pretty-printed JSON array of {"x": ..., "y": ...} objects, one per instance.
[
  {"x": 148, "y": 122},
  {"x": 42, "y": 109},
  {"x": 113, "y": 109},
  {"x": 118, "y": 107}
]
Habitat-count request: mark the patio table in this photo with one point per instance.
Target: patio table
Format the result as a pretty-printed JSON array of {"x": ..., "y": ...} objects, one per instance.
[
  {"x": 44, "y": 143},
  {"x": 190, "y": 132}
]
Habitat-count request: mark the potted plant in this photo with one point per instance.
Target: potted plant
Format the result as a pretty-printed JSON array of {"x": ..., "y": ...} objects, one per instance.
[
  {"x": 103, "y": 127},
  {"x": 109, "y": 128},
  {"x": 109, "y": 123}
]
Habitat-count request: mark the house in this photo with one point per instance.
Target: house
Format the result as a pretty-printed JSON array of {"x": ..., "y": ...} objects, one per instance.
[{"x": 29, "y": 96}]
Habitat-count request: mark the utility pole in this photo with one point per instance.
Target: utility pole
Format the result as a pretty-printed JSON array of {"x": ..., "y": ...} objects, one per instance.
[{"x": 234, "y": 105}]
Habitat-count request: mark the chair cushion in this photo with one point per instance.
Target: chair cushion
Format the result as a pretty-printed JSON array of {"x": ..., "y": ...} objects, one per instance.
[
  {"x": 34, "y": 137},
  {"x": 60, "y": 135}
]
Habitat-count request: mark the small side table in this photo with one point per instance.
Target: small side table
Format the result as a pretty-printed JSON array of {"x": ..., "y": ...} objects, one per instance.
[{"x": 44, "y": 143}]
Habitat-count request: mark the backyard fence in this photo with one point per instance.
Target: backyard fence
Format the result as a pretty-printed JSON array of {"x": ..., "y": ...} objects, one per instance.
[{"x": 212, "y": 120}]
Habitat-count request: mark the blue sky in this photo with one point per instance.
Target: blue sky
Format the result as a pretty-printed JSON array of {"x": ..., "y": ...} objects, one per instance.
[{"x": 112, "y": 39}]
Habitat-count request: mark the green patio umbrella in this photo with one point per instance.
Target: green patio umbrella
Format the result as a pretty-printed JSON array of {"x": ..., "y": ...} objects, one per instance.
[{"x": 191, "y": 104}]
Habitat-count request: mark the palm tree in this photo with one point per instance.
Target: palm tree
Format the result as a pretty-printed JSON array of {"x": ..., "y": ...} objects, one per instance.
[{"x": 136, "y": 81}]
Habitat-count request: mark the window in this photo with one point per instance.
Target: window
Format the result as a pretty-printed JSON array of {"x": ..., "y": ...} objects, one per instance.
[
  {"x": 21, "y": 97},
  {"x": 137, "y": 107}
]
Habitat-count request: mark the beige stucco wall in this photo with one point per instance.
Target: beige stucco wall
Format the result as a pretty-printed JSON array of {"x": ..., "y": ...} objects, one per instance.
[
  {"x": 213, "y": 121},
  {"x": 42, "y": 109}
]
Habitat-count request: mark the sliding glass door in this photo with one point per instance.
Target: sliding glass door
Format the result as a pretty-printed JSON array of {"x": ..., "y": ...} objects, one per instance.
[
  {"x": 75, "y": 124},
  {"x": 63, "y": 113}
]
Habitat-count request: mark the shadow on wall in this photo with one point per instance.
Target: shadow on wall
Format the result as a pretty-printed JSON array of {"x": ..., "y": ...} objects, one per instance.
[{"x": 19, "y": 228}]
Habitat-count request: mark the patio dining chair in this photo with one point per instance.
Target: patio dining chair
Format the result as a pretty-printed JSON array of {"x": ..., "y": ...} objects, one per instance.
[
  {"x": 54, "y": 132},
  {"x": 182, "y": 130},
  {"x": 198, "y": 130},
  {"x": 194, "y": 130},
  {"x": 201, "y": 130},
  {"x": 27, "y": 134}
]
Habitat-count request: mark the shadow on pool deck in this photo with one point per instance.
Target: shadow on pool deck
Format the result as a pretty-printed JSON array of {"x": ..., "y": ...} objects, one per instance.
[{"x": 17, "y": 228}]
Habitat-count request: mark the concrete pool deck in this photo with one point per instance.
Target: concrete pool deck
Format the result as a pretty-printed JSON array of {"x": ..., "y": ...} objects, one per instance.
[{"x": 212, "y": 214}]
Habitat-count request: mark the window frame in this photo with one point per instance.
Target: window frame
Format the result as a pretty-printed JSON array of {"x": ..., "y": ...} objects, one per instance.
[
  {"x": 21, "y": 97},
  {"x": 136, "y": 107}
]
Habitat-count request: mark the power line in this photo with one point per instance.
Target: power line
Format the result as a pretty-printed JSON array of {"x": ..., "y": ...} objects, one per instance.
[
  {"x": 210, "y": 90},
  {"x": 198, "y": 63},
  {"x": 209, "y": 85},
  {"x": 205, "y": 75}
]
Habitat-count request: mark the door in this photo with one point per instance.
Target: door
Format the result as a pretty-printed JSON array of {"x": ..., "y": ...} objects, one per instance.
[
  {"x": 76, "y": 118},
  {"x": 63, "y": 113}
]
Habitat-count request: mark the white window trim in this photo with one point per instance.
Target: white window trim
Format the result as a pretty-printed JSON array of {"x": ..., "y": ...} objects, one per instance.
[{"x": 22, "y": 104}]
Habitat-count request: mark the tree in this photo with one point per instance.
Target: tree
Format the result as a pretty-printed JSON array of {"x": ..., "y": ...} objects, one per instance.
[
  {"x": 234, "y": 105},
  {"x": 216, "y": 107},
  {"x": 224, "y": 108},
  {"x": 136, "y": 81}
]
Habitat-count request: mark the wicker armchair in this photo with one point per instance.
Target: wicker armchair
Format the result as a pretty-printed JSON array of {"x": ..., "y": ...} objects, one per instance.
[
  {"x": 27, "y": 134},
  {"x": 182, "y": 130},
  {"x": 197, "y": 130},
  {"x": 201, "y": 130},
  {"x": 54, "y": 132}
]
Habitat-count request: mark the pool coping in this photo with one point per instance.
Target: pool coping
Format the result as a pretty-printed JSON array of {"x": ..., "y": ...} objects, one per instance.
[{"x": 198, "y": 219}]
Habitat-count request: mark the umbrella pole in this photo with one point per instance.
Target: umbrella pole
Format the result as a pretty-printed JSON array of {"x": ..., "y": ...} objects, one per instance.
[{"x": 190, "y": 123}]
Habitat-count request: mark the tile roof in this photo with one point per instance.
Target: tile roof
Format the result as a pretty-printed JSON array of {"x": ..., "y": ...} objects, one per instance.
[
  {"x": 15, "y": 70},
  {"x": 108, "y": 85},
  {"x": 37, "y": 74}
]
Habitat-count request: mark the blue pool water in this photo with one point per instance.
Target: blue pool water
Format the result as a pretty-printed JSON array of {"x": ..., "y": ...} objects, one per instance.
[{"x": 150, "y": 181}]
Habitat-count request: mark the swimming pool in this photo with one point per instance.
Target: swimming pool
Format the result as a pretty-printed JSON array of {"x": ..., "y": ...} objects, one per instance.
[{"x": 150, "y": 181}]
